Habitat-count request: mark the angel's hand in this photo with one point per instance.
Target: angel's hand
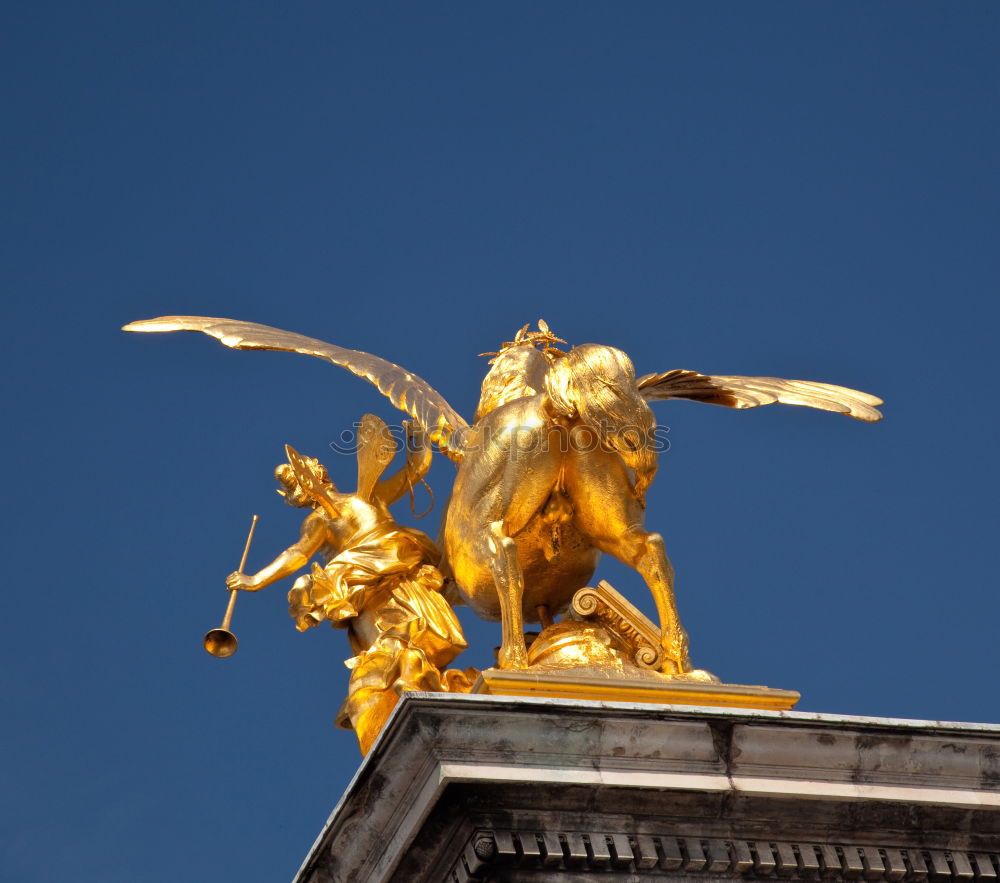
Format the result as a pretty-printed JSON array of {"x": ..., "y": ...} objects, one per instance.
[{"x": 241, "y": 582}]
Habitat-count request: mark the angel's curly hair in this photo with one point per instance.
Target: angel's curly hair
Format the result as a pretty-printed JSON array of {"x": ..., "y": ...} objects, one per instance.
[{"x": 542, "y": 338}]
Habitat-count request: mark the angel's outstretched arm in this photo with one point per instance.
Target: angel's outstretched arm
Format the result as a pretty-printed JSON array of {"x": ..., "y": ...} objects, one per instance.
[
  {"x": 293, "y": 559},
  {"x": 733, "y": 391}
]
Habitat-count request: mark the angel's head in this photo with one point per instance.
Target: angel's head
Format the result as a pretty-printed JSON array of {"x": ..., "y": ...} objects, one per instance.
[
  {"x": 518, "y": 368},
  {"x": 291, "y": 488}
]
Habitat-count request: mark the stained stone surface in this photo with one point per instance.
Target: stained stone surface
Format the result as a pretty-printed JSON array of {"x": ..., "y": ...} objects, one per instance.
[{"x": 492, "y": 788}]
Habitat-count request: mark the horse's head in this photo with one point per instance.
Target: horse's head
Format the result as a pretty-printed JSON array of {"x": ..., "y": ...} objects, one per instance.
[{"x": 596, "y": 384}]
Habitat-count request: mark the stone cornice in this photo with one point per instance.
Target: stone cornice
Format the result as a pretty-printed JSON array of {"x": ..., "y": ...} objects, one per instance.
[{"x": 447, "y": 766}]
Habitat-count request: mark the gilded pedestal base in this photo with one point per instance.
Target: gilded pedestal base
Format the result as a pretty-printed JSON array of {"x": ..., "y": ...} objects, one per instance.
[
  {"x": 606, "y": 649},
  {"x": 583, "y": 684}
]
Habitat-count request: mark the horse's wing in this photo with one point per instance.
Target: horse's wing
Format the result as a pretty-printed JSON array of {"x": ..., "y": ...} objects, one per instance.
[
  {"x": 749, "y": 392},
  {"x": 406, "y": 391}
]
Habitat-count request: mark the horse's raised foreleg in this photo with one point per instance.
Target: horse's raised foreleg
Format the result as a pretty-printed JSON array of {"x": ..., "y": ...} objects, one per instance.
[{"x": 510, "y": 589}]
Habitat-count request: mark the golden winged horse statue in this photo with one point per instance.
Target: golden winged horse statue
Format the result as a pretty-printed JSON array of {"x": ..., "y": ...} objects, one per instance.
[{"x": 554, "y": 468}]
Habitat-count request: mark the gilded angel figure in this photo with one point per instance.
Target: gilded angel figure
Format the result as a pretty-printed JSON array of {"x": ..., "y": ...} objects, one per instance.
[{"x": 374, "y": 578}]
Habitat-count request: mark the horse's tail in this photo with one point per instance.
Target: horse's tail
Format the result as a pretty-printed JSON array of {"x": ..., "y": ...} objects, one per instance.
[{"x": 597, "y": 384}]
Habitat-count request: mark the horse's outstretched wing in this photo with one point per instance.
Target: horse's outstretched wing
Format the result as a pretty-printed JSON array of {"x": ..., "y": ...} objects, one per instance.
[
  {"x": 749, "y": 392},
  {"x": 444, "y": 426}
]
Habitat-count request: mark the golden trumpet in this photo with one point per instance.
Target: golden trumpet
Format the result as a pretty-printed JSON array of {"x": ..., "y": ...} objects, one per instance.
[{"x": 221, "y": 642}]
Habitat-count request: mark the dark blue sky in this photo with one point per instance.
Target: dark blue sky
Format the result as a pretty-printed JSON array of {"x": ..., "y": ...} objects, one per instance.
[{"x": 799, "y": 190}]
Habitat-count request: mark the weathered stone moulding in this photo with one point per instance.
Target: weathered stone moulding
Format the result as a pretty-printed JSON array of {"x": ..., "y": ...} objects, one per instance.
[{"x": 473, "y": 787}]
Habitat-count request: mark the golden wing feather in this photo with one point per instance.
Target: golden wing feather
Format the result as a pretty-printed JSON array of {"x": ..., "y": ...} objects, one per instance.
[
  {"x": 750, "y": 392},
  {"x": 444, "y": 426}
]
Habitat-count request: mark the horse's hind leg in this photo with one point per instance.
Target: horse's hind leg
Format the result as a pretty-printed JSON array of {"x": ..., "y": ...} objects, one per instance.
[
  {"x": 656, "y": 569},
  {"x": 646, "y": 553},
  {"x": 510, "y": 589},
  {"x": 496, "y": 494},
  {"x": 607, "y": 512}
]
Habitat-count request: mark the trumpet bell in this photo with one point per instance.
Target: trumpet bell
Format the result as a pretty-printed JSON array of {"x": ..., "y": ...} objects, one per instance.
[{"x": 220, "y": 642}]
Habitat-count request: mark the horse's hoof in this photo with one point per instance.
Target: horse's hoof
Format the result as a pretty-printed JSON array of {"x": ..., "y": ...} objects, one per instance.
[
  {"x": 699, "y": 674},
  {"x": 512, "y": 659},
  {"x": 670, "y": 665}
]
